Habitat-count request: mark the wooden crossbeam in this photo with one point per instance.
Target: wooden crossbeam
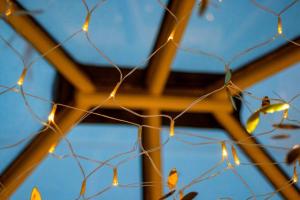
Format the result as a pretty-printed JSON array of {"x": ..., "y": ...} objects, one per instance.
[
  {"x": 257, "y": 154},
  {"x": 42, "y": 42}
]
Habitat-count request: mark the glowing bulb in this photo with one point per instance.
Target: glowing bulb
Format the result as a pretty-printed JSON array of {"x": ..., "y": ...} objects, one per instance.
[
  {"x": 83, "y": 187},
  {"x": 22, "y": 77},
  {"x": 52, "y": 113},
  {"x": 235, "y": 156},
  {"x": 52, "y": 148},
  {"x": 285, "y": 114},
  {"x": 180, "y": 194},
  {"x": 115, "y": 181},
  {"x": 35, "y": 194},
  {"x": 279, "y": 26},
  {"x": 224, "y": 151},
  {"x": 172, "y": 131},
  {"x": 295, "y": 175},
  {"x": 85, "y": 26},
  {"x": 9, "y": 9},
  {"x": 113, "y": 93},
  {"x": 171, "y": 37}
]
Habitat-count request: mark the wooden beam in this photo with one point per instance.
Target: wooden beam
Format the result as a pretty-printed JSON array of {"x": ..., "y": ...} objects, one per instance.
[
  {"x": 146, "y": 101},
  {"x": 257, "y": 154},
  {"x": 151, "y": 140},
  {"x": 42, "y": 42},
  {"x": 282, "y": 58},
  {"x": 25, "y": 163},
  {"x": 262, "y": 68},
  {"x": 160, "y": 64}
]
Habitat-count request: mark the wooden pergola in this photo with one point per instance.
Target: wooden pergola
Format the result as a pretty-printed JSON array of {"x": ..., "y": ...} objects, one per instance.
[{"x": 150, "y": 91}]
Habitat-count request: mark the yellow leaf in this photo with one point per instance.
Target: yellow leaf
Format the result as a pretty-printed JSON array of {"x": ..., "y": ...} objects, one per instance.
[
  {"x": 286, "y": 126},
  {"x": 83, "y": 187},
  {"x": 252, "y": 122},
  {"x": 172, "y": 179},
  {"x": 275, "y": 107},
  {"x": 35, "y": 194}
]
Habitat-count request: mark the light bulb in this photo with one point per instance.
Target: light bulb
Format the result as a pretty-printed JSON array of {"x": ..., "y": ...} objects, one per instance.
[
  {"x": 85, "y": 26},
  {"x": 22, "y": 77},
  {"x": 115, "y": 181},
  {"x": 172, "y": 131},
  {"x": 279, "y": 26},
  {"x": 113, "y": 93},
  {"x": 224, "y": 151},
  {"x": 235, "y": 156},
  {"x": 171, "y": 37},
  {"x": 52, "y": 148},
  {"x": 52, "y": 113},
  {"x": 295, "y": 175}
]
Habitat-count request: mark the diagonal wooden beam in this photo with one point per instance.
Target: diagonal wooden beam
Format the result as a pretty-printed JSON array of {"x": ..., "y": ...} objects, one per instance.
[
  {"x": 147, "y": 101},
  {"x": 257, "y": 154},
  {"x": 160, "y": 64},
  {"x": 25, "y": 163},
  {"x": 264, "y": 67},
  {"x": 42, "y": 42}
]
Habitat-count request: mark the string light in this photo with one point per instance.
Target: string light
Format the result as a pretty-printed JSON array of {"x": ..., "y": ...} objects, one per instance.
[
  {"x": 52, "y": 148},
  {"x": 85, "y": 26},
  {"x": 224, "y": 151},
  {"x": 285, "y": 114},
  {"x": 172, "y": 127},
  {"x": 181, "y": 194},
  {"x": 235, "y": 156},
  {"x": 52, "y": 114},
  {"x": 295, "y": 175},
  {"x": 115, "y": 181},
  {"x": 279, "y": 26},
  {"x": 9, "y": 9},
  {"x": 266, "y": 108},
  {"x": 22, "y": 77},
  {"x": 171, "y": 36},
  {"x": 83, "y": 187},
  {"x": 113, "y": 93},
  {"x": 35, "y": 194}
]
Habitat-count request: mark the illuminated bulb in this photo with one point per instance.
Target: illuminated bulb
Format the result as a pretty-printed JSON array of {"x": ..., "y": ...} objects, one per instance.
[
  {"x": 171, "y": 37},
  {"x": 113, "y": 93},
  {"x": 295, "y": 175},
  {"x": 52, "y": 113},
  {"x": 235, "y": 156},
  {"x": 9, "y": 9},
  {"x": 52, "y": 148},
  {"x": 180, "y": 194},
  {"x": 83, "y": 187},
  {"x": 172, "y": 131},
  {"x": 115, "y": 181},
  {"x": 279, "y": 26},
  {"x": 22, "y": 77},
  {"x": 224, "y": 151},
  {"x": 285, "y": 114},
  {"x": 85, "y": 26}
]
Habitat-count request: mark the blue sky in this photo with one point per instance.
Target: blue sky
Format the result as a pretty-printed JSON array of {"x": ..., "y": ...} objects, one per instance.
[{"x": 125, "y": 31}]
